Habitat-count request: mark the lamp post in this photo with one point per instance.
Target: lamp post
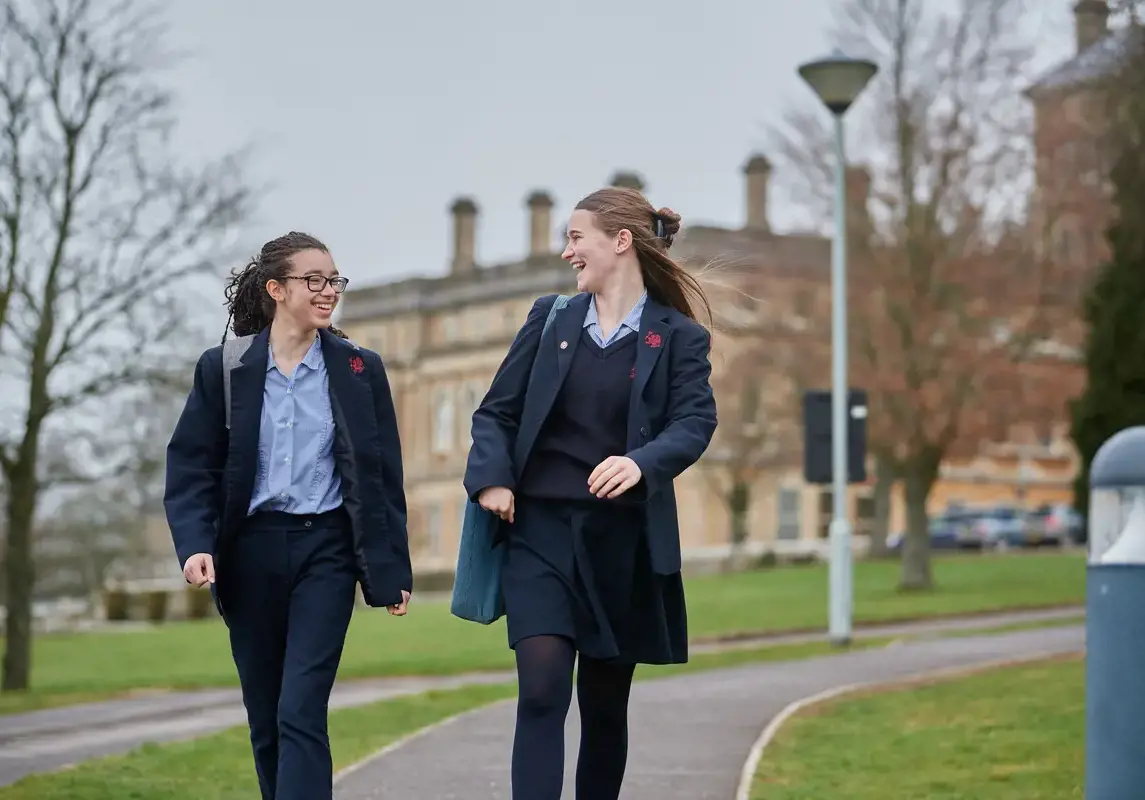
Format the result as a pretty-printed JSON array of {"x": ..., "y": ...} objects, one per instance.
[{"x": 838, "y": 80}]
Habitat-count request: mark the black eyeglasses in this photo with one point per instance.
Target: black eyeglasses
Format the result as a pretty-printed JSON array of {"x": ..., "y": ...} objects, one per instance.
[{"x": 316, "y": 283}]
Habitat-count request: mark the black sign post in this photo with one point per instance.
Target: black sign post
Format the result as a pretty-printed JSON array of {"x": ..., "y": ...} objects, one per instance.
[{"x": 817, "y": 436}]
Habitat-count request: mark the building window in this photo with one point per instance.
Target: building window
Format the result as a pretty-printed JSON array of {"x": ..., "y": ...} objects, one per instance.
[
  {"x": 825, "y": 511},
  {"x": 449, "y": 328},
  {"x": 442, "y": 421},
  {"x": 789, "y": 503},
  {"x": 470, "y": 399},
  {"x": 749, "y": 402},
  {"x": 479, "y": 322},
  {"x": 433, "y": 528},
  {"x": 378, "y": 341},
  {"x": 510, "y": 319},
  {"x": 864, "y": 514}
]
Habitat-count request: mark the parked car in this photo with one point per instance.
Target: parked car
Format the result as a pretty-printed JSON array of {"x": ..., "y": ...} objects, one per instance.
[
  {"x": 948, "y": 531},
  {"x": 1055, "y": 525},
  {"x": 998, "y": 528}
]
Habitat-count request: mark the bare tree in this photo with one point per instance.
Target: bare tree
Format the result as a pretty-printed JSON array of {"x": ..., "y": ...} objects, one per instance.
[
  {"x": 86, "y": 528},
  {"x": 102, "y": 230},
  {"x": 941, "y": 296},
  {"x": 773, "y": 351}
]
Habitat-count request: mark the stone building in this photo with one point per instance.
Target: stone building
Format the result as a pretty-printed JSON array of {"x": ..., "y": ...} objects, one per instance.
[
  {"x": 1071, "y": 202},
  {"x": 442, "y": 339}
]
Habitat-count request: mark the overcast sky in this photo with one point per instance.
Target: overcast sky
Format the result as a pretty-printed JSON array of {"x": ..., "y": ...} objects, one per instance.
[{"x": 370, "y": 117}]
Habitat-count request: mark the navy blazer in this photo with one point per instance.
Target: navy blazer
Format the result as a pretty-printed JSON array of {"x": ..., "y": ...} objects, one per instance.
[
  {"x": 211, "y": 471},
  {"x": 671, "y": 413}
]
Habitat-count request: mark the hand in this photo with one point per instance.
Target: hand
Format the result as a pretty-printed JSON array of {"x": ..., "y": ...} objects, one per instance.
[
  {"x": 399, "y": 610},
  {"x": 614, "y": 476},
  {"x": 199, "y": 569},
  {"x": 499, "y": 500}
]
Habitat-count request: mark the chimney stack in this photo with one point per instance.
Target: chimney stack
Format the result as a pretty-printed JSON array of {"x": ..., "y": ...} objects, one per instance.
[
  {"x": 757, "y": 174},
  {"x": 540, "y": 207},
  {"x": 1091, "y": 22},
  {"x": 627, "y": 180},
  {"x": 464, "y": 212}
]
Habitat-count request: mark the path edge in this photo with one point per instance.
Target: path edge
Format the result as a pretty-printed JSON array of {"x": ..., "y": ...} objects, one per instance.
[
  {"x": 769, "y": 732},
  {"x": 402, "y": 741}
]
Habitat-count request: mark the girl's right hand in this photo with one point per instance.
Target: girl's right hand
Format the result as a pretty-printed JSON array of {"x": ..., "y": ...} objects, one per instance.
[
  {"x": 499, "y": 500},
  {"x": 199, "y": 569}
]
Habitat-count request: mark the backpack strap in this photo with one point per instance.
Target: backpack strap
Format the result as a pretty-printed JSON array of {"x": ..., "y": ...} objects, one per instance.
[
  {"x": 561, "y": 301},
  {"x": 233, "y": 352}
]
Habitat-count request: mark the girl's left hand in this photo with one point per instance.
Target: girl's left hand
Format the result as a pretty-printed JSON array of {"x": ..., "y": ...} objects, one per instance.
[
  {"x": 614, "y": 476},
  {"x": 400, "y": 609}
]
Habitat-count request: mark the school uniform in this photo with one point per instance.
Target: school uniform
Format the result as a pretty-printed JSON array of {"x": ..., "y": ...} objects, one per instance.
[
  {"x": 603, "y": 574},
  {"x": 300, "y": 501}
]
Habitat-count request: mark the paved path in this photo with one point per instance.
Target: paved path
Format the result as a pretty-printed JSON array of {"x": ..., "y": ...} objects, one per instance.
[
  {"x": 46, "y": 740},
  {"x": 690, "y": 734}
]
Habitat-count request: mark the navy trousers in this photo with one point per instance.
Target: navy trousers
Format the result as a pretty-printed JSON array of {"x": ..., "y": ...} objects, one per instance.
[{"x": 288, "y": 588}]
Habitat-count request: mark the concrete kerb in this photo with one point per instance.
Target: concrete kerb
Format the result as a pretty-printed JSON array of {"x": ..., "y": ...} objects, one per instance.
[{"x": 769, "y": 732}]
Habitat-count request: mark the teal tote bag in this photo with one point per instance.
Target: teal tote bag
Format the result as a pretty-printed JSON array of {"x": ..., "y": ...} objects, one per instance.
[{"x": 477, "y": 581}]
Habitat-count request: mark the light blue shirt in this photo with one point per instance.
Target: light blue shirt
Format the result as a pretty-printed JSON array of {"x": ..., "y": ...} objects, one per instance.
[
  {"x": 630, "y": 324},
  {"x": 296, "y": 470}
]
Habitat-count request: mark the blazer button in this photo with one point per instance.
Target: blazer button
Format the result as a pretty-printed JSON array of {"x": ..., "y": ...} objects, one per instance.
[{"x": 643, "y": 431}]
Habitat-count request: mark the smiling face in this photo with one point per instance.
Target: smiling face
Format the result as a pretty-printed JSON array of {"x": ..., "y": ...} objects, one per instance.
[
  {"x": 307, "y": 294},
  {"x": 593, "y": 253}
]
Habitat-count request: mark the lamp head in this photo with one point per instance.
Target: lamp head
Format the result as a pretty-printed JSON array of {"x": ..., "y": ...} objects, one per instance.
[{"x": 838, "y": 79}]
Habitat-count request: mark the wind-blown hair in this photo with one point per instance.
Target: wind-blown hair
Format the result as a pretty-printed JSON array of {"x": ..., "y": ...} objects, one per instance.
[{"x": 618, "y": 208}]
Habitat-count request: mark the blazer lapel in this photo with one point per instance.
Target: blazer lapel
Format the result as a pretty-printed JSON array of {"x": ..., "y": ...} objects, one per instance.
[
  {"x": 651, "y": 341},
  {"x": 351, "y": 399},
  {"x": 565, "y": 337},
  {"x": 248, "y": 380},
  {"x": 549, "y": 371}
]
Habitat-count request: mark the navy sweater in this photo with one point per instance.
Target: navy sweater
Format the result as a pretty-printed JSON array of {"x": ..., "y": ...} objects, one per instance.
[{"x": 587, "y": 424}]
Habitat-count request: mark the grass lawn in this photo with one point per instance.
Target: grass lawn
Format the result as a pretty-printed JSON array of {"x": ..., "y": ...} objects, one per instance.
[
  {"x": 220, "y": 767},
  {"x": 1017, "y": 732},
  {"x": 71, "y": 667}
]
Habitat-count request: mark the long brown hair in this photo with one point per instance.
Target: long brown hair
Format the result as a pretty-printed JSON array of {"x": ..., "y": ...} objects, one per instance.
[{"x": 618, "y": 208}]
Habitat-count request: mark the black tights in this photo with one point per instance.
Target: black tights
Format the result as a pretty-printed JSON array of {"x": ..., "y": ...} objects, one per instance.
[{"x": 544, "y": 676}]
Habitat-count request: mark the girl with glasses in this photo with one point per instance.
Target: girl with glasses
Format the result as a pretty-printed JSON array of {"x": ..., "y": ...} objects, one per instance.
[{"x": 284, "y": 492}]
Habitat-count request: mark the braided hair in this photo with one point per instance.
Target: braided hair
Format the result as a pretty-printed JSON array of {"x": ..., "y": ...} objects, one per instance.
[{"x": 249, "y": 305}]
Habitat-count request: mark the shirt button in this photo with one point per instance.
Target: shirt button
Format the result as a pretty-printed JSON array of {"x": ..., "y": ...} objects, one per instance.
[{"x": 287, "y": 459}]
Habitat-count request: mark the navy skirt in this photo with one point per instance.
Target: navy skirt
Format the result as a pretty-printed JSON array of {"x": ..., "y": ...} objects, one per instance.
[{"x": 581, "y": 570}]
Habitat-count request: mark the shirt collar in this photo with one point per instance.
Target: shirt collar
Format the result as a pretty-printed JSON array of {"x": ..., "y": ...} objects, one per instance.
[
  {"x": 312, "y": 359},
  {"x": 630, "y": 321}
]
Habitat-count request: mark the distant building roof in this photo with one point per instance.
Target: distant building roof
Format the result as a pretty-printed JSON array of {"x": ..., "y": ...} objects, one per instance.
[
  {"x": 732, "y": 249},
  {"x": 1095, "y": 62}
]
